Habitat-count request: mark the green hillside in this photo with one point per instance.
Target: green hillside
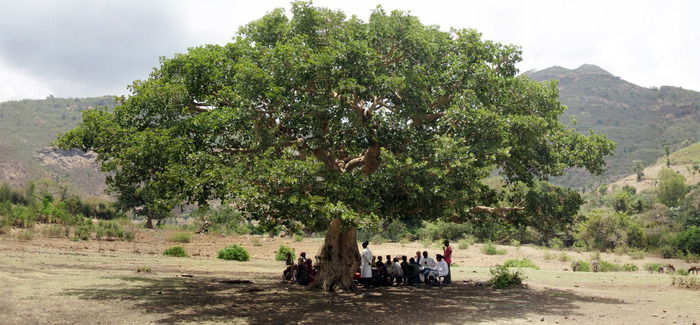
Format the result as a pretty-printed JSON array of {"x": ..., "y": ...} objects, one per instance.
[
  {"x": 642, "y": 121},
  {"x": 27, "y": 128}
]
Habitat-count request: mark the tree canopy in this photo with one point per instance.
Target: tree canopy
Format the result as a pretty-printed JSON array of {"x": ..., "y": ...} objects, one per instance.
[{"x": 316, "y": 117}]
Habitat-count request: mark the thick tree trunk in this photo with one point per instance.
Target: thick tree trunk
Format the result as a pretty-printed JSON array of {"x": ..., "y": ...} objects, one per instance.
[
  {"x": 340, "y": 258},
  {"x": 149, "y": 222}
]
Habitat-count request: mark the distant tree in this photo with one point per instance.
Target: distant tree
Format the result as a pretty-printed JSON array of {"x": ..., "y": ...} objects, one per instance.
[
  {"x": 671, "y": 187},
  {"x": 638, "y": 169},
  {"x": 337, "y": 123}
]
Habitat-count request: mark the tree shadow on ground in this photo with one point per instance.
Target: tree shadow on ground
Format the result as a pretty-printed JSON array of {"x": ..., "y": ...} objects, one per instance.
[{"x": 268, "y": 300}]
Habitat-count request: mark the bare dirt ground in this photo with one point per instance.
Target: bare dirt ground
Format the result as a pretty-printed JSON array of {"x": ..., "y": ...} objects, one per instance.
[{"x": 58, "y": 281}]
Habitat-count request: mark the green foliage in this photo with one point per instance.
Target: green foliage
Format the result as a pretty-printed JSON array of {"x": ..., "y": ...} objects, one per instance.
[
  {"x": 491, "y": 249},
  {"x": 689, "y": 240},
  {"x": 83, "y": 232},
  {"x": 556, "y": 243},
  {"x": 583, "y": 266},
  {"x": 282, "y": 253},
  {"x": 669, "y": 251},
  {"x": 604, "y": 266},
  {"x": 234, "y": 252},
  {"x": 502, "y": 278},
  {"x": 689, "y": 282},
  {"x": 179, "y": 237},
  {"x": 298, "y": 238},
  {"x": 681, "y": 272},
  {"x": 629, "y": 267},
  {"x": 376, "y": 120},
  {"x": 672, "y": 187},
  {"x": 563, "y": 257},
  {"x": 605, "y": 230},
  {"x": 652, "y": 267},
  {"x": 175, "y": 251},
  {"x": 442, "y": 230},
  {"x": 521, "y": 263}
]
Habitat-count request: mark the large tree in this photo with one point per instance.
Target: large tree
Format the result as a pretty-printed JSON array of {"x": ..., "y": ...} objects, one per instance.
[{"x": 338, "y": 123}]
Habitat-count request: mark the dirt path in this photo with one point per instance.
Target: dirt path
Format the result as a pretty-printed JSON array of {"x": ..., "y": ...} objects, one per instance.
[{"x": 57, "y": 281}]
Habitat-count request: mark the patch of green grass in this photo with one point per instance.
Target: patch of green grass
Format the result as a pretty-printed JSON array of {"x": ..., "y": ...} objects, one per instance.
[
  {"x": 176, "y": 251},
  {"x": 522, "y": 263},
  {"x": 491, "y": 249},
  {"x": 652, "y": 267},
  {"x": 179, "y": 237}
]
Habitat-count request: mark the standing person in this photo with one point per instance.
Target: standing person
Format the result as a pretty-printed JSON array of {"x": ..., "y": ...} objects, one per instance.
[
  {"x": 447, "y": 254},
  {"x": 418, "y": 257},
  {"x": 366, "y": 265}
]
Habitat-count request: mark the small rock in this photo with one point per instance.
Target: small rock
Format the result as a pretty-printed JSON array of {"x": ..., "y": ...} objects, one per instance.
[{"x": 542, "y": 319}]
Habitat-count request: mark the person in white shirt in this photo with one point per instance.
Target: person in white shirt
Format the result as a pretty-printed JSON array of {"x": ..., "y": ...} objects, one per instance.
[
  {"x": 428, "y": 264},
  {"x": 442, "y": 267},
  {"x": 366, "y": 265}
]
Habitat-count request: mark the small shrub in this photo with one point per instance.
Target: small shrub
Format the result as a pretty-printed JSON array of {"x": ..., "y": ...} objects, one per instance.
[
  {"x": 563, "y": 257},
  {"x": 514, "y": 243},
  {"x": 83, "y": 232},
  {"x": 176, "y": 251},
  {"x": 491, "y": 249},
  {"x": 26, "y": 235},
  {"x": 234, "y": 252},
  {"x": 129, "y": 235},
  {"x": 404, "y": 241},
  {"x": 299, "y": 238},
  {"x": 689, "y": 282},
  {"x": 556, "y": 243},
  {"x": 54, "y": 231},
  {"x": 179, "y": 237},
  {"x": 620, "y": 250},
  {"x": 257, "y": 242},
  {"x": 681, "y": 272},
  {"x": 652, "y": 267},
  {"x": 282, "y": 253},
  {"x": 668, "y": 251},
  {"x": 549, "y": 255},
  {"x": 523, "y": 263},
  {"x": 636, "y": 255},
  {"x": 464, "y": 243},
  {"x": 629, "y": 267},
  {"x": 582, "y": 266},
  {"x": 692, "y": 258},
  {"x": 454, "y": 265},
  {"x": 145, "y": 269},
  {"x": 595, "y": 256},
  {"x": 608, "y": 267},
  {"x": 502, "y": 278}
]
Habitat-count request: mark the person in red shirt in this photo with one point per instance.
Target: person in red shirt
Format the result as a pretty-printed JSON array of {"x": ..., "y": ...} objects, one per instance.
[{"x": 448, "y": 259}]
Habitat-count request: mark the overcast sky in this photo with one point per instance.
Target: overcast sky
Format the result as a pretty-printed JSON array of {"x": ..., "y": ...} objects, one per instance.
[{"x": 86, "y": 48}]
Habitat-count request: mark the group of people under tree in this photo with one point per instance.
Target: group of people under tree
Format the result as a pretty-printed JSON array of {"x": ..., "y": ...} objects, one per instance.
[
  {"x": 418, "y": 269},
  {"x": 303, "y": 272},
  {"x": 375, "y": 271}
]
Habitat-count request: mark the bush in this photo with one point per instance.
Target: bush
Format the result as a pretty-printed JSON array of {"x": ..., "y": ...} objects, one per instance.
[
  {"x": 629, "y": 267},
  {"x": 523, "y": 263},
  {"x": 299, "y": 238},
  {"x": 689, "y": 240},
  {"x": 465, "y": 243},
  {"x": 83, "y": 232},
  {"x": 145, "y": 269},
  {"x": 282, "y": 253},
  {"x": 608, "y": 267},
  {"x": 26, "y": 235},
  {"x": 556, "y": 243},
  {"x": 491, "y": 249},
  {"x": 668, "y": 251},
  {"x": 176, "y": 251},
  {"x": 502, "y": 278},
  {"x": 179, "y": 237},
  {"x": 652, "y": 267},
  {"x": 376, "y": 240},
  {"x": 563, "y": 257},
  {"x": 681, "y": 272},
  {"x": 234, "y": 252},
  {"x": 582, "y": 266}
]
